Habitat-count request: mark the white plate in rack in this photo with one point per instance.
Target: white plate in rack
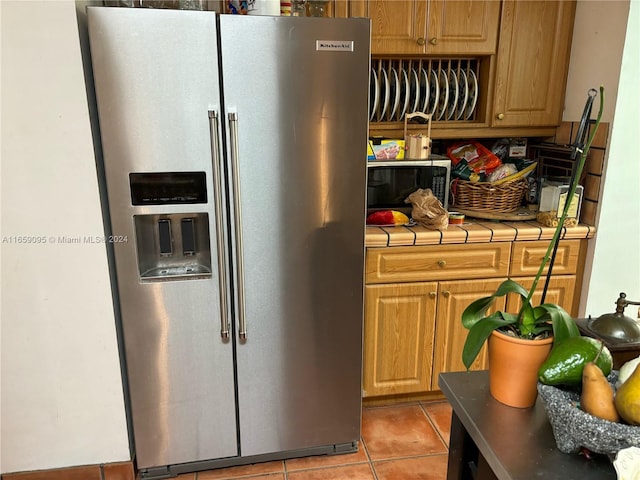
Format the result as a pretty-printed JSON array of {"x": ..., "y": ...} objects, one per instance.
[
  {"x": 472, "y": 81},
  {"x": 453, "y": 96},
  {"x": 463, "y": 95},
  {"x": 385, "y": 94},
  {"x": 443, "y": 96},
  {"x": 424, "y": 91},
  {"x": 414, "y": 85},
  {"x": 434, "y": 92},
  {"x": 394, "y": 93},
  {"x": 405, "y": 93},
  {"x": 374, "y": 94}
]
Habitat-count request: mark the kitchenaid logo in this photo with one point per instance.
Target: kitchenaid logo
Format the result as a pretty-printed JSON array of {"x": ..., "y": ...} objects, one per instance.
[{"x": 334, "y": 45}]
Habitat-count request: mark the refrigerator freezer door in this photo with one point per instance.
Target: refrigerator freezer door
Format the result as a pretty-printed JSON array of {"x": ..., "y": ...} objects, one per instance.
[
  {"x": 296, "y": 90},
  {"x": 156, "y": 78}
]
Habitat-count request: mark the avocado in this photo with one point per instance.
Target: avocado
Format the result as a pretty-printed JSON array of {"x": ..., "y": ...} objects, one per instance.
[{"x": 567, "y": 359}]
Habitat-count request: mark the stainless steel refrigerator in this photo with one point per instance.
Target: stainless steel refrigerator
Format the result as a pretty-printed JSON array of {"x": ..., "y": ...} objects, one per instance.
[{"x": 234, "y": 156}]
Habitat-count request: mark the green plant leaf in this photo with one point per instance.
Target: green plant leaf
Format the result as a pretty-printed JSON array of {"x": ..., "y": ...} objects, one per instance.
[
  {"x": 477, "y": 310},
  {"x": 528, "y": 320},
  {"x": 479, "y": 333},
  {"x": 545, "y": 327},
  {"x": 563, "y": 325}
]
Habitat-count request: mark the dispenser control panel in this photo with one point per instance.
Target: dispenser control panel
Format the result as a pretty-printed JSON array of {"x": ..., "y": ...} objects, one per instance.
[{"x": 168, "y": 188}]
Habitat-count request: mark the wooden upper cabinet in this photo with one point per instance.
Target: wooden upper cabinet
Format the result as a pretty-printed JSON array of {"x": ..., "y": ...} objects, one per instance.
[
  {"x": 532, "y": 62},
  {"x": 430, "y": 26},
  {"x": 462, "y": 27},
  {"x": 397, "y": 26}
]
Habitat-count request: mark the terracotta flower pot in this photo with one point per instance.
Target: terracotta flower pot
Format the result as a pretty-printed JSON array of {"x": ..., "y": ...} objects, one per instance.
[{"x": 513, "y": 368}]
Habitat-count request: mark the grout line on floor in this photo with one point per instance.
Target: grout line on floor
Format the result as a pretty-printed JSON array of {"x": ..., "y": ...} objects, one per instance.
[
  {"x": 409, "y": 457},
  {"x": 435, "y": 427},
  {"x": 369, "y": 460}
]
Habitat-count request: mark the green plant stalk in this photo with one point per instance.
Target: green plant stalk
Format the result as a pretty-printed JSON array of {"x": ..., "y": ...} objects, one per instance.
[
  {"x": 530, "y": 321},
  {"x": 567, "y": 205}
]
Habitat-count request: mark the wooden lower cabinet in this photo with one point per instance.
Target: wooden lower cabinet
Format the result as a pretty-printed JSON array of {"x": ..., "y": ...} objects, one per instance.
[
  {"x": 561, "y": 291},
  {"x": 413, "y": 332},
  {"x": 453, "y": 298},
  {"x": 398, "y": 338},
  {"x": 415, "y": 296}
]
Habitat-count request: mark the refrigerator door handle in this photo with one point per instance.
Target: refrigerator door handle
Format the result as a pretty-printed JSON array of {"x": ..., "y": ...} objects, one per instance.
[
  {"x": 217, "y": 193},
  {"x": 233, "y": 130}
]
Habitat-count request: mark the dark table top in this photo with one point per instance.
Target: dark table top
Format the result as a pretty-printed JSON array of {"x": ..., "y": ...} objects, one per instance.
[{"x": 518, "y": 444}]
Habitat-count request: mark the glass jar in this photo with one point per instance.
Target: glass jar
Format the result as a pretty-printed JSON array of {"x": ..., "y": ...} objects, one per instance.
[
  {"x": 191, "y": 4},
  {"x": 318, "y": 8}
]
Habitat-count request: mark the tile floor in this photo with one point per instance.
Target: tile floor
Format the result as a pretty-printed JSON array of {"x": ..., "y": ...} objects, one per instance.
[{"x": 403, "y": 442}]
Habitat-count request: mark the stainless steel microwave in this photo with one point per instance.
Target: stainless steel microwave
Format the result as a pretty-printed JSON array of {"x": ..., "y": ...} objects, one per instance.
[{"x": 389, "y": 183}]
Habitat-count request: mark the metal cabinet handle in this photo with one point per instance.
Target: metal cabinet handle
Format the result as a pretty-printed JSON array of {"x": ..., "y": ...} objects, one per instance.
[
  {"x": 500, "y": 116},
  {"x": 446, "y": 293},
  {"x": 433, "y": 41},
  {"x": 432, "y": 294},
  {"x": 442, "y": 263},
  {"x": 233, "y": 130},
  {"x": 222, "y": 251},
  {"x": 421, "y": 41}
]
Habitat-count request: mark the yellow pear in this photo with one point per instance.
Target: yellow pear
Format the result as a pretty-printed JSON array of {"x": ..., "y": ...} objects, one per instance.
[
  {"x": 628, "y": 398},
  {"x": 597, "y": 394}
]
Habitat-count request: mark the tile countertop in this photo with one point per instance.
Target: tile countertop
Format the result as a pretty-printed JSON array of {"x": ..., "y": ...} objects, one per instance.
[{"x": 471, "y": 231}]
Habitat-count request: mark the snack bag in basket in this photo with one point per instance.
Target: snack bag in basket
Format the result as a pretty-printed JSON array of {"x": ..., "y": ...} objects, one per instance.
[{"x": 478, "y": 157}]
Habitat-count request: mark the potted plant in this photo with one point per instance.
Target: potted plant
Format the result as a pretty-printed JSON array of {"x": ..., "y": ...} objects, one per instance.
[{"x": 533, "y": 329}]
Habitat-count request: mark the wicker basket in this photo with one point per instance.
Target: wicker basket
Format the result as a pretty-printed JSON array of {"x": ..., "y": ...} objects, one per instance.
[{"x": 488, "y": 197}]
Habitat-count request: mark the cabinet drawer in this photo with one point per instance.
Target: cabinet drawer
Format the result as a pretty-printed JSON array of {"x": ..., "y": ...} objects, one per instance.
[
  {"x": 438, "y": 262},
  {"x": 526, "y": 257}
]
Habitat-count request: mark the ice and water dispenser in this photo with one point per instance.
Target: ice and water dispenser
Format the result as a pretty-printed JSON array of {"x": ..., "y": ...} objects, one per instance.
[{"x": 171, "y": 246}]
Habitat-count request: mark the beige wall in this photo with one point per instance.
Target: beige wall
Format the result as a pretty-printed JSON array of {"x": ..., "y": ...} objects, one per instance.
[
  {"x": 602, "y": 41},
  {"x": 598, "y": 40},
  {"x": 615, "y": 253},
  {"x": 61, "y": 398}
]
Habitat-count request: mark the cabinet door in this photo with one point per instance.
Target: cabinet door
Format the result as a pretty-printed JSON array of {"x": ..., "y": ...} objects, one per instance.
[
  {"x": 397, "y": 26},
  {"x": 398, "y": 338},
  {"x": 453, "y": 298},
  {"x": 561, "y": 292},
  {"x": 462, "y": 27},
  {"x": 532, "y": 62}
]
